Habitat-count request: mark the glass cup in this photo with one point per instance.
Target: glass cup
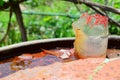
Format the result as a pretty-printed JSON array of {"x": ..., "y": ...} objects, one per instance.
[{"x": 91, "y": 36}]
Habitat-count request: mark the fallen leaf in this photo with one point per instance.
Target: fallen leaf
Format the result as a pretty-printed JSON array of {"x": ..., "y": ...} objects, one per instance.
[
  {"x": 39, "y": 55},
  {"x": 52, "y": 52}
]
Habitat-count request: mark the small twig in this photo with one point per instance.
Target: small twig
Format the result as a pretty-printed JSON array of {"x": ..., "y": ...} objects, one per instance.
[
  {"x": 103, "y": 7},
  {"x": 77, "y": 7},
  {"x": 18, "y": 13},
  {"x": 8, "y": 28},
  {"x": 106, "y": 3},
  {"x": 97, "y": 10}
]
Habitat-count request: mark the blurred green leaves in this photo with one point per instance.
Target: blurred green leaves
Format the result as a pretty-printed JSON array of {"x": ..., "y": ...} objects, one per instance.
[
  {"x": 1, "y": 2},
  {"x": 43, "y": 27},
  {"x": 114, "y": 30}
]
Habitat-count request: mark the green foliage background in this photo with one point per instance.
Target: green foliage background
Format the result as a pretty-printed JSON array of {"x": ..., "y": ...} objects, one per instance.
[{"x": 43, "y": 27}]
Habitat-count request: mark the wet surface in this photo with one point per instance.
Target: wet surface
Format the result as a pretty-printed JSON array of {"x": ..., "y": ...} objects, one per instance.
[
  {"x": 28, "y": 60},
  {"x": 7, "y": 68},
  {"x": 113, "y": 53}
]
